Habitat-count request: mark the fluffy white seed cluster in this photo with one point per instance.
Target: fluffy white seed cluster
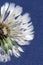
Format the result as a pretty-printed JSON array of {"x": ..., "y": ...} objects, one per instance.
[{"x": 21, "y": 30}]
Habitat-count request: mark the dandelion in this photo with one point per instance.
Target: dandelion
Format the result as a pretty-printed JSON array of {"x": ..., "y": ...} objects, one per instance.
[{"x": 15, "y": 30}]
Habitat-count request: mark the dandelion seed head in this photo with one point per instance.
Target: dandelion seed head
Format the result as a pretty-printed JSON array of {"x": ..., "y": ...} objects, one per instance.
[{"x": 14, "y": 27}]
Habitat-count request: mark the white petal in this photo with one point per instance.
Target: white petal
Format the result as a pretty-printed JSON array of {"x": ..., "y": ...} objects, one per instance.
[
  {"x": 26, "y": 25},
  {"x": 4, "y": 8},
  {"x": 14, "y": 12},
  {"x": 15, "y": 52},
  {"x": 27, "y": 32},
  {"x": 21, "y": 41},
  {"x": 29, "y": 37},
  {"x": 18, "y": 10},
  {"x": 11, "y": 8},
  {"x": 26, "y": 18},
  {"x": 9, "y": 52},
  {"x": 20, "y": 49}
]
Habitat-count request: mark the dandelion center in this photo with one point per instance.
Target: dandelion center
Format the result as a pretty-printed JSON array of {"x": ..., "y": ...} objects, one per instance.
[{"x": 4, "y": 30}]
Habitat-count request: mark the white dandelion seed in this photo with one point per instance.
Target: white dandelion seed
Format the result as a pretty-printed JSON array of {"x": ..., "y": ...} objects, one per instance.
[{"x": 14, "y": 27}]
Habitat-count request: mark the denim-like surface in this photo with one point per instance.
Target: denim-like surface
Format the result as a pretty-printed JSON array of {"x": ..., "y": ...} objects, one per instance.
[{"x": 33, "y": 54}]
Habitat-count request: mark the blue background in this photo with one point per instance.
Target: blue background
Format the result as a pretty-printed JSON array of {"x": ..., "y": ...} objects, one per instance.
[{"x": 33, "y": 54}]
